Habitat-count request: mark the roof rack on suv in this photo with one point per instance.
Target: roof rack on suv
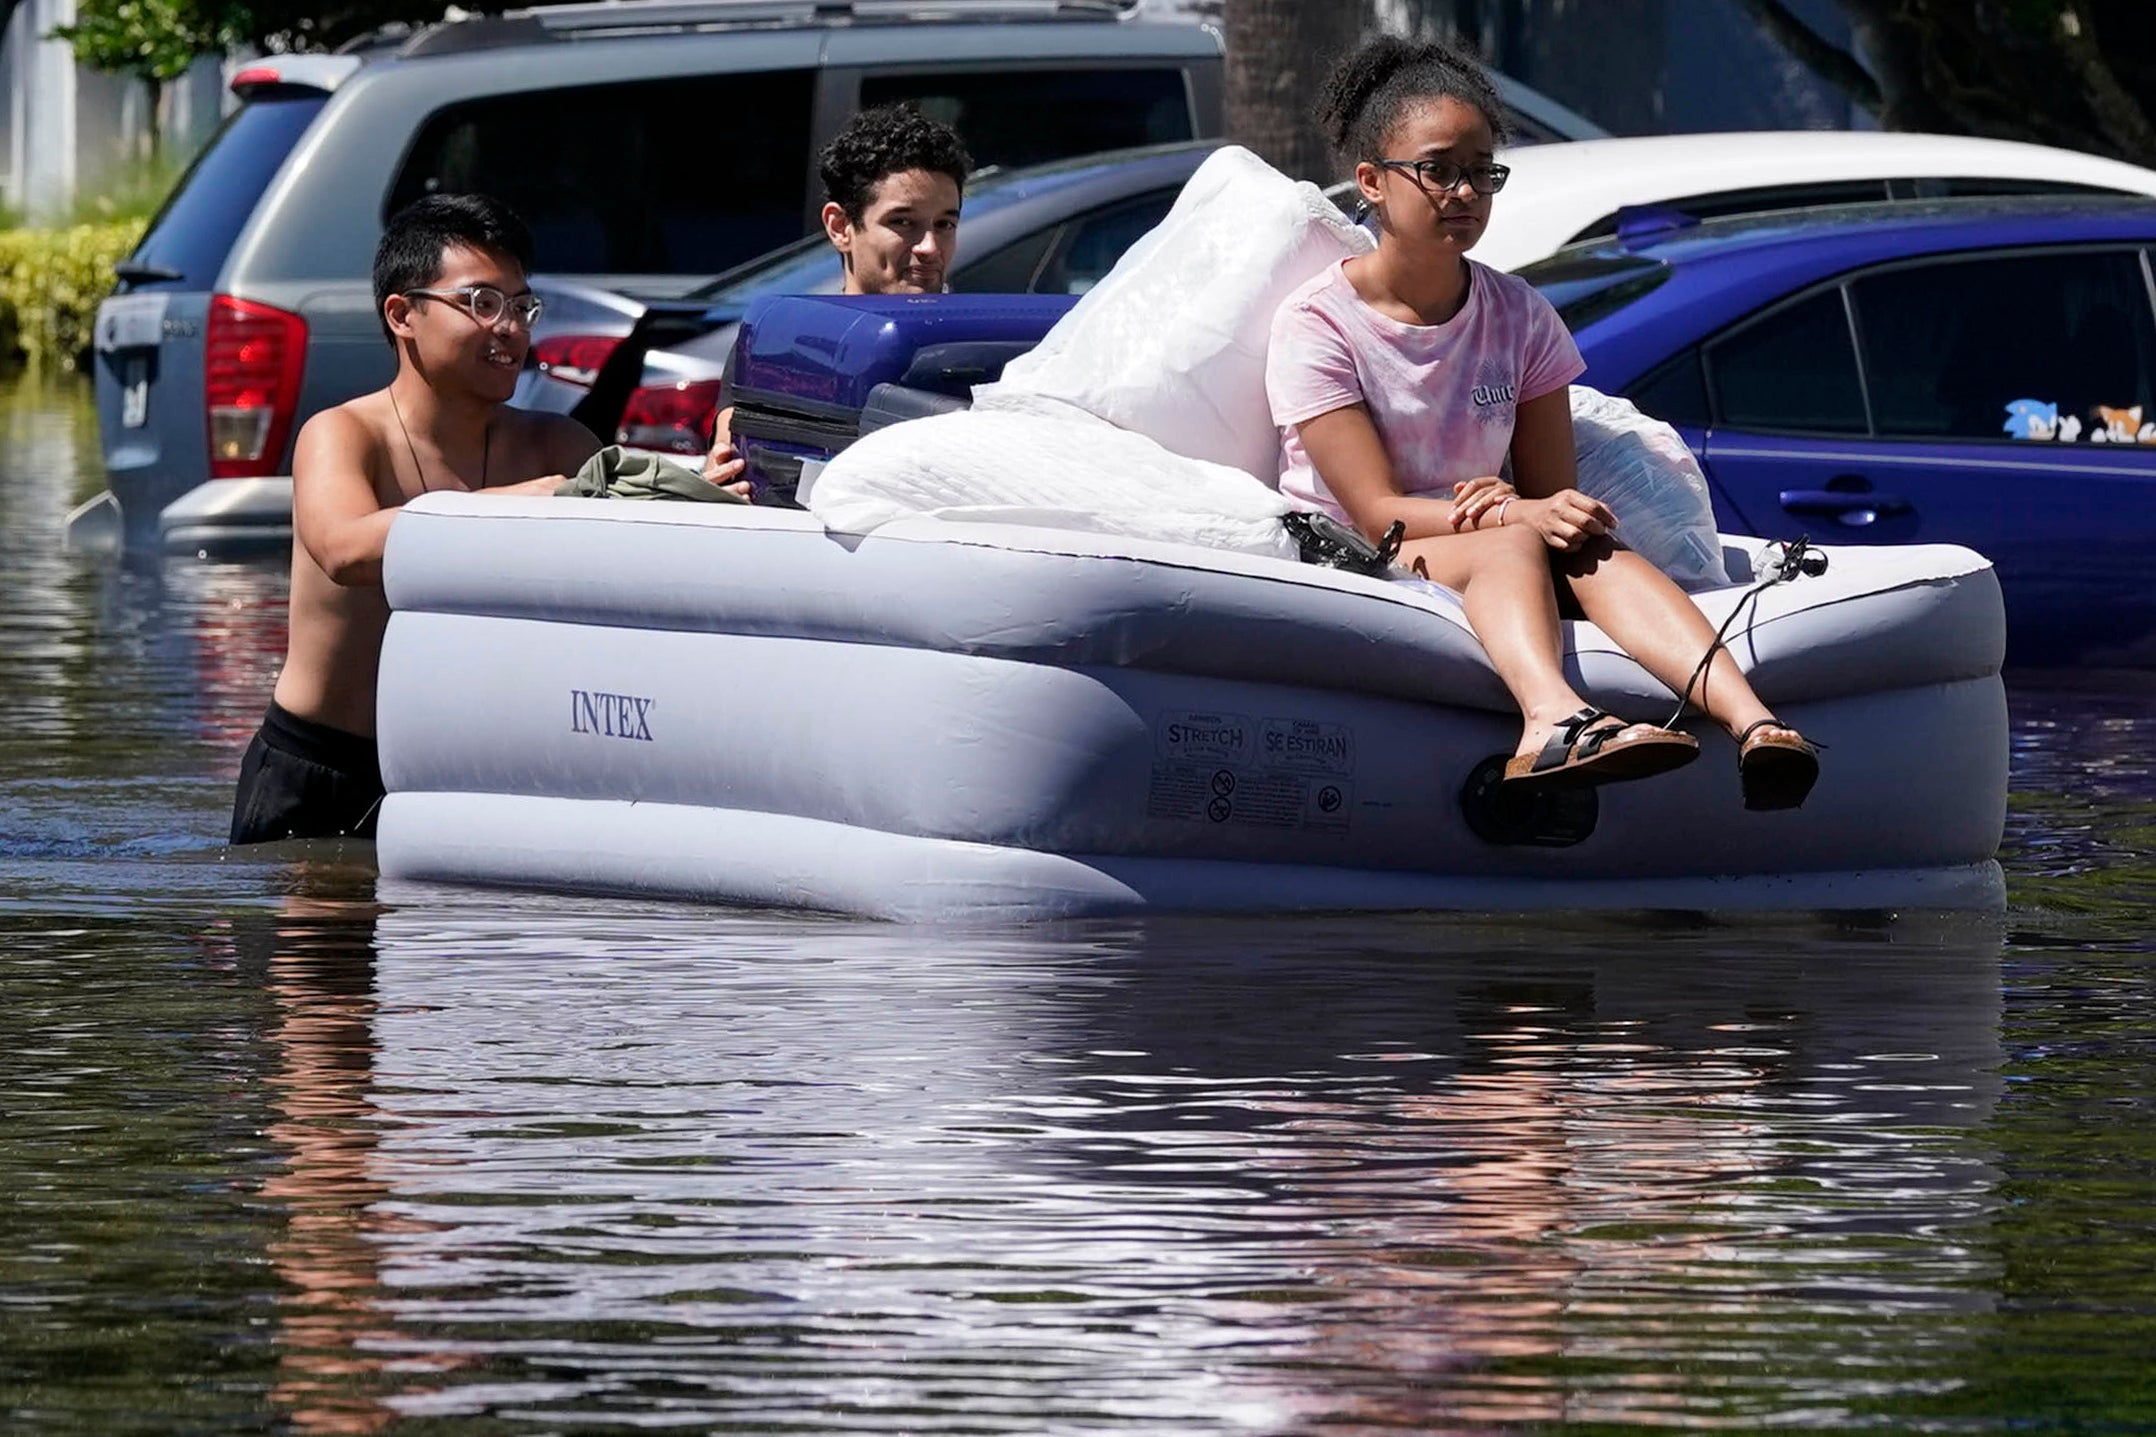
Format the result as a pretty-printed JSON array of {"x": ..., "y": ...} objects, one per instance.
[{"x": 595, "y": 18}]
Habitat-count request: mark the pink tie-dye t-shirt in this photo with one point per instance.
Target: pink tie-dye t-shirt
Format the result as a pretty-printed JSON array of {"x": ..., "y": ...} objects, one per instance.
[{"x": 1442, "y": 395}]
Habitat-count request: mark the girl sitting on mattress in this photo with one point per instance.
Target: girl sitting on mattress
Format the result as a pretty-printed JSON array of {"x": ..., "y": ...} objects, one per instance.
[{"x": 1403, "y": 379}]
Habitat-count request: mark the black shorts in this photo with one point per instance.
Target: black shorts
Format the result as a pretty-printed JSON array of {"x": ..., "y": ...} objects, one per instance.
[{"x": 302, "y": 779}]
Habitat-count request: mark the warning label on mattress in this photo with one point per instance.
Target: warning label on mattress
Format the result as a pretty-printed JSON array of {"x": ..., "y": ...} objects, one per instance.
[
  {"x": 1280, "y": 773},
  {"x": 1198, "y": 737},
  {"x": 1308, "y": 747}
]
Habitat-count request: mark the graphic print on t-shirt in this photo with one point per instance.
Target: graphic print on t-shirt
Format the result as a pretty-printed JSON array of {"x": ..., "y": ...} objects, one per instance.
[{"x": 1496, "y": 392}]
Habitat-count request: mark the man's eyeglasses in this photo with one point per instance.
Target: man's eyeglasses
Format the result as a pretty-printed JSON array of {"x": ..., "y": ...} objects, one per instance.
[
  {"x": 487, "y": 304},
  {"x": 1443, "y": 175}
]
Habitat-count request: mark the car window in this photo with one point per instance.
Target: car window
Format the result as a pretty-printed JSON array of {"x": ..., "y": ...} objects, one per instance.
[
  {"x": 1587, "y": 287},
  {"x": 194, "y": 231},
  {"x": 1758, "y": 200},
  {"x": 1095, "y": 243},
  {"x": 2059, "y": 346},
  {"x": 1794, "y": 370},
  {"x": 642, "y": 178},
  {"x": 1527, "y": 130},
  {"x": 808, "y": 266},
  {"x": 1771, "y": 198},
  {"x": 1022, "y": 117},
  {"x": 1676, "y": 392},
  {"x": 1008, "y": 269},
  {"x": 1939, "y": 189}
]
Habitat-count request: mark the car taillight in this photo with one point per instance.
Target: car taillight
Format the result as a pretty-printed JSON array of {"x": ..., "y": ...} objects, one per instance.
[
  {"x": 251, "y": 366},
  {"x": 674, "y": 417},
  {"x": 574, "y": 358}
]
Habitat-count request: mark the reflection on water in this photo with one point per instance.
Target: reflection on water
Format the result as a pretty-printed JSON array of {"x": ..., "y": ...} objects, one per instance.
[
  {"x": 1372, "y": 1172},
  {"x": 286, "y": 1151},
  {"x": 130, "y": 690}
]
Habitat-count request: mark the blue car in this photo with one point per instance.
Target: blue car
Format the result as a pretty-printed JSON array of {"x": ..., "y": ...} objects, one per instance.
[{"x": 1978, "y": 372}]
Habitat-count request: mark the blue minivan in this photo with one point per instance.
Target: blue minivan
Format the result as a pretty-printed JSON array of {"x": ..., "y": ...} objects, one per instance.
[{"x": 1977, "y": 372}]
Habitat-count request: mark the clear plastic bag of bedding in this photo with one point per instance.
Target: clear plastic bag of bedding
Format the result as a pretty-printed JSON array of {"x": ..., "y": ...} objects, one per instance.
[{"x": 1642, "y": 469}]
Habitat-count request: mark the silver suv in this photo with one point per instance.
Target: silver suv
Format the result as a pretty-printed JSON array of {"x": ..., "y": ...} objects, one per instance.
[{"x": 649, "y": 145}]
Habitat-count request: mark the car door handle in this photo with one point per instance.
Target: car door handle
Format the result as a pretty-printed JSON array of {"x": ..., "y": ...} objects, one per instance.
[{"x": 1844, "y": 507}]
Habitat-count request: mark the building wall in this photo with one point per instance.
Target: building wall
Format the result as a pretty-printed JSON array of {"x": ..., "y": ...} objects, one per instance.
[
  {"x": 1635, "y": 67},
  {"x": 64, "y": 128},
  {"x": 39, "y": 79}
]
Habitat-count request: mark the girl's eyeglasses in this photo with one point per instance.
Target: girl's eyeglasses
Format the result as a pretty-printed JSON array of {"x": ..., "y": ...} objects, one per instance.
[
  {"x": 1443, "y": 175},
  {"x": 487, "y": 304}
]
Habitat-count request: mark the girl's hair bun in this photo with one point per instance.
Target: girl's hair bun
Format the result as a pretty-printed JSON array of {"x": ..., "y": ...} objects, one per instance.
[{"x": 1369, "y": 90}]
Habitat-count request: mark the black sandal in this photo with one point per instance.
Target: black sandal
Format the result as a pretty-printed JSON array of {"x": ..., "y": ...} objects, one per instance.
[
  {"x": 1585, "y": 750},
  {"x": 1776, "y": 772}
]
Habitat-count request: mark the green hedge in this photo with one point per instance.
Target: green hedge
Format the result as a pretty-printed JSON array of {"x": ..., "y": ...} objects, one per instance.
[{"x": 51, "y": 281}]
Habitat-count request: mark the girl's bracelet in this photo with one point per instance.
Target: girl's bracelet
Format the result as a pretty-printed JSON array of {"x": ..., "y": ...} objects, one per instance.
[{"x": 1502, "y": 505}]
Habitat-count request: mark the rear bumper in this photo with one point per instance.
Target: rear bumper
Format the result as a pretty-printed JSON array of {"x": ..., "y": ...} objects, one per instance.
[
  {"x": 229, "y": 518},
  {"x": 143, "y": 491}
]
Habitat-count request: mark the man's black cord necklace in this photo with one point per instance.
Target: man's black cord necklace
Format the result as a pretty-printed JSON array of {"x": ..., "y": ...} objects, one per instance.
[{"x": 486, "y": 447}]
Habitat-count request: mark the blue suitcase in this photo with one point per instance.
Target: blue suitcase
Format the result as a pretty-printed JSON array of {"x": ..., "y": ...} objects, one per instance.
[{"x": 809, "y": 374}]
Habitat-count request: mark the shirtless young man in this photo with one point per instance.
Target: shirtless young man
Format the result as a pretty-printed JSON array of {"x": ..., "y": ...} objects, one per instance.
[
  {"x": 892, "y": 180},
  {"x": 449, "y": 287}
]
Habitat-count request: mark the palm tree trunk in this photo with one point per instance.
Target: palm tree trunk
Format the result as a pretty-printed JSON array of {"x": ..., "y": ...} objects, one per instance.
[{"x": 1278, "y": 55}]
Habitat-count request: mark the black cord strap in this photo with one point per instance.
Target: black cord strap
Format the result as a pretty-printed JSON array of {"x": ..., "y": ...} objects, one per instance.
[{"x": 1796, "y": 559}]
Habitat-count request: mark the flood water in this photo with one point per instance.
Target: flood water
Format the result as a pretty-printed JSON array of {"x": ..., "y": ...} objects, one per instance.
[{"x": 282, "y": 1153}]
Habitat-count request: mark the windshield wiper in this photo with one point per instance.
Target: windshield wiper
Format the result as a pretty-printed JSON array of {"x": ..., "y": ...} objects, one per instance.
[{"x": 137, "y": 272}]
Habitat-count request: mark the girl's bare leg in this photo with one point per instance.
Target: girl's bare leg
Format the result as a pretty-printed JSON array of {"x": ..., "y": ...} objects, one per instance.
[
  {"x": 1655, "y": 622},
  {"x": 1503, "y": 578}
]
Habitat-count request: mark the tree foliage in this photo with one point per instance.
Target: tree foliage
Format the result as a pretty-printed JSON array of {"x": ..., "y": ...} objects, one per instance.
[
  {"x": 279, "y": 26},
  {"x": 2075, "y": 73},
  {"x": 156, "y": 40},
  {"x": 50, "y": 283},
  {"x": 153, "y": 40}
]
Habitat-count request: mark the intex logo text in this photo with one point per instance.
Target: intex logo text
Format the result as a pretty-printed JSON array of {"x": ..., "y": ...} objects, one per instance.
[{"x": 610, "y": 715}]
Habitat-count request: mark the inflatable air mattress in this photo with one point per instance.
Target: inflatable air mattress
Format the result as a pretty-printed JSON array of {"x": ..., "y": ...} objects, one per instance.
[{"x": 943, "y": 720}]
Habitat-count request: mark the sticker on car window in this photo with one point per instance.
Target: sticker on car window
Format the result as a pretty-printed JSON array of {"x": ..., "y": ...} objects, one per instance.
[
  {"x": 2040, "y": 419},
  {"x": 2121, "y": 426}
]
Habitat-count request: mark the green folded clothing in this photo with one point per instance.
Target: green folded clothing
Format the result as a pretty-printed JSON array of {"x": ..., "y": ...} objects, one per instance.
[{"x": 616, "y": 473}]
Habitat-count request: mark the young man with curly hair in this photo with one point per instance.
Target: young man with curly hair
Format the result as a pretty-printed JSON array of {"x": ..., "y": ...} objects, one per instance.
[
  {"x": 892, "y": 183},
  {"x": 893, "y": 180}
]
